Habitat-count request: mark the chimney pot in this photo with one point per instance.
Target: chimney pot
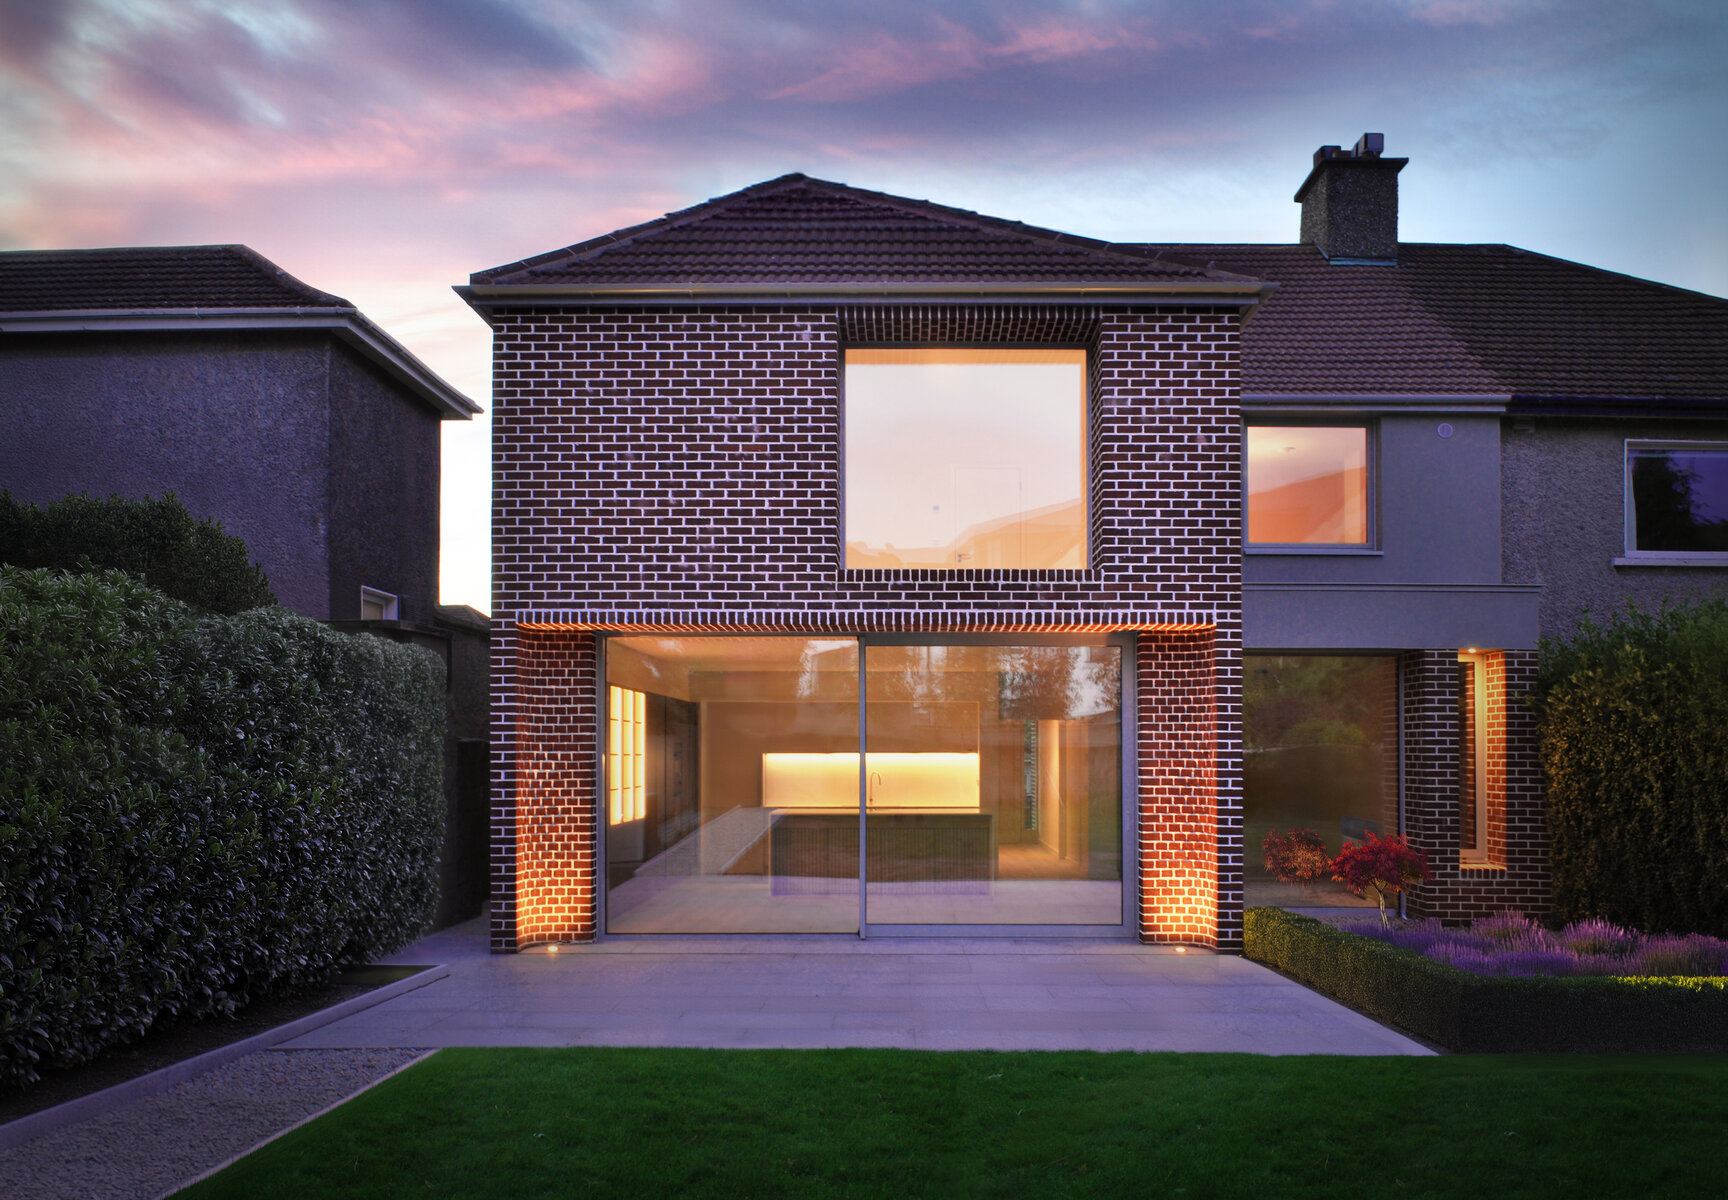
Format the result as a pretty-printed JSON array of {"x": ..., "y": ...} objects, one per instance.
[{"x": 1370, "y": 145}]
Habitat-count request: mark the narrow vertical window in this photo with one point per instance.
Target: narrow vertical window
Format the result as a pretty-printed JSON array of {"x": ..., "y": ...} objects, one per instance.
[
  {"x": 1475, "y": 751},
  {"x": 1472, "y": 763},
  {"x": 626, "y": 748}
]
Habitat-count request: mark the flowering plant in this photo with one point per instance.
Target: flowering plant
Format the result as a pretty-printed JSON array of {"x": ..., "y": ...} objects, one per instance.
[
  {"x": 1388, "y": 865},
  {"x": 1296, "y": 856}
]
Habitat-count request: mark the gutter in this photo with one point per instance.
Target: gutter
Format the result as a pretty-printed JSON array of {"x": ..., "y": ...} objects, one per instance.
[
  {"x": 1373, "y": 402},
  {"x": 1618, "y": 406},
  {"x": 349, "y": 324},
  {"x": 1218, "y": 293}
]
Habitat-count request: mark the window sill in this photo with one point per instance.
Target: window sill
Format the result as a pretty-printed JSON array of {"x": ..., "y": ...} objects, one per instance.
[
  {"x": 1478, "y": 864},
  {"x": 969, "y": 574},
  {"x": 1673, "y": 560},
  {"x": 1332, "y": 551}
]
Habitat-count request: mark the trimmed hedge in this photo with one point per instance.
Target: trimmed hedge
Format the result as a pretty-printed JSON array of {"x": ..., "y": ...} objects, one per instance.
[
  {"x": 1633, "y": 727},
  {"x": 156, "y": 540},
  {"x": 197, "y": 810},
  {"x": 1482, "y": 1014}
]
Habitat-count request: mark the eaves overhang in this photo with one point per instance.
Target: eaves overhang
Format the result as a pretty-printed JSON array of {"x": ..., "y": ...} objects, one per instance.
[
  {"x": 1361, "y": 402},
  {"x": 1239, "y": 294},
  {"x": 348, "y": 324},
  {"x": 1670, "y": 407}
]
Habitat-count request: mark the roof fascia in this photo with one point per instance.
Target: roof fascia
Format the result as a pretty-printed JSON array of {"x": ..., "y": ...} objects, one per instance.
[
  {"x": 349, "y": 324},
  {"x": 1370, "y": 402},
  {"x": 1231, "y": 293},
  {"x": 1675, "y": 407}
]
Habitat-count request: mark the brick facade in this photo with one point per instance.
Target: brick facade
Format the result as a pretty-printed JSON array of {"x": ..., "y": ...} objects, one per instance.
[
  {"x": 1190, "y": 790},
  {"x": 680, "y": 468},
  {"x": 1515, "y": 875}
]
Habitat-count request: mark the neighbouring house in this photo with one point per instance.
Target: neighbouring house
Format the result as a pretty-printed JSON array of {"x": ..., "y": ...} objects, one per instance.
[
  {"x": 863, "y": 565},
  {"x": 277, "y": 409}
]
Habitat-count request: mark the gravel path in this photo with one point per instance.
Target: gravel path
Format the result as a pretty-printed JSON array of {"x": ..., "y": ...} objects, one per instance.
[{"x": 157, "y": 1145}]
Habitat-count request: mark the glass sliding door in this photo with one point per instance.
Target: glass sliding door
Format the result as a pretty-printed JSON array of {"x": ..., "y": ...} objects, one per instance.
[
  {"x": 731, "y": 785},
  {"x": 993, "y": 789},
  {"x": 990, "y": 792}
]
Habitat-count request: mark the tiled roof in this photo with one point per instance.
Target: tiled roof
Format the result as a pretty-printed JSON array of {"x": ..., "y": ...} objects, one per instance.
[
  {"x": 1471, "y": 318},
  {"x": 151, "y": 278},
  {"x": 798, "y": 230}
]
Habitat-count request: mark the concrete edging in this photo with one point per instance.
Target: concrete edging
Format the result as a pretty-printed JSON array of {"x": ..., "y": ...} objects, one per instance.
[{"x": 96, "y": 1104}]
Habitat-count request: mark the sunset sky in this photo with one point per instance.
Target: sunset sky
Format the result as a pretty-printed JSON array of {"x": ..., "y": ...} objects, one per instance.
[{"x": 383, "y": 150}]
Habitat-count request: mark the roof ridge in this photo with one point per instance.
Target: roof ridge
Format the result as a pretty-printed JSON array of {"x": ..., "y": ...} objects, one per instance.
[
  {"x": 593, "y": 248},
  {"x": 155, "y": 255}
]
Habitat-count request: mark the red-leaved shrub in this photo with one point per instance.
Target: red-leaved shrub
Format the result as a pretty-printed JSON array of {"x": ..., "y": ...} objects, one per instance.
[
  {"x": 1388, "y": 865},
  {"x": 1296, "y": 856}
]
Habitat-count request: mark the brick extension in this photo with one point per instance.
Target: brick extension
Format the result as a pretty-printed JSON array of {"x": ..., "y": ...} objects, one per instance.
[{"x": 684, "y": 463}]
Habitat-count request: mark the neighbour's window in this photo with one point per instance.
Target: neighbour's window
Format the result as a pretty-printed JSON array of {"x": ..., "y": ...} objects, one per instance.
[
  {"x": 965, "y": 458},
  {"x": 1677, "y": 499},
  {"x": 1307, "y": 485},
  {"x": 376, "y": 605}
]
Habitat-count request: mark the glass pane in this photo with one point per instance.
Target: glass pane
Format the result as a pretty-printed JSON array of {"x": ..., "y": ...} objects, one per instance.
[
  {"x": 1307, "y": 484},
  {"x": 965, "y": 458},
  {"x": 994, "y": 791},
  {"x": 707, "y": 745},
  {"x": 1320, "y": 752},
  {"x": 1680, "y": 499}
]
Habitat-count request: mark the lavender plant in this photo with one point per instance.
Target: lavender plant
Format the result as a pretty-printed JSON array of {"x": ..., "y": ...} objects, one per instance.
[{"x": 1510, "y": 943}]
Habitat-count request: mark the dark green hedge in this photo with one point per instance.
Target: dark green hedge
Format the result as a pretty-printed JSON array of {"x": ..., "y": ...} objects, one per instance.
[
  {"x": 1633, "y": 722},
  {"x": 156, "y": 540},
  {"x": 197, "y": 810},
  {"x": 1477, "y": 1014}
]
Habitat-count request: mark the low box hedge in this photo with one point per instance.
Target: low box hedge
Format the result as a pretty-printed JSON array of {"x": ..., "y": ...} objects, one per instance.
[{"x": 1489, "y": 1014}]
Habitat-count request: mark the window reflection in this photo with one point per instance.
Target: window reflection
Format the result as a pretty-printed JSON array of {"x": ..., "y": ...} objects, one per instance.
[
  {"x": 1320, "y": 752},
  {"x": 1679, "y": 499},
  {"x": 1307, "y": 484},
  {"x": 965, "y": 458}
]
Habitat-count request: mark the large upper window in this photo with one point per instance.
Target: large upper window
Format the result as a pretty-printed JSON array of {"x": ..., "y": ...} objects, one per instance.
[
  {"x": 965, "y": 458},
  {"x": 1677, "y": 499},
  {"x": 1307, "y": 485}
]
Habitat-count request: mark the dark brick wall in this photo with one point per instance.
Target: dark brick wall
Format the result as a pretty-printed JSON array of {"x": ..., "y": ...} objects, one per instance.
[
  {"x": 1515, "y": 875},
  {"x": 680, "y": 469}
]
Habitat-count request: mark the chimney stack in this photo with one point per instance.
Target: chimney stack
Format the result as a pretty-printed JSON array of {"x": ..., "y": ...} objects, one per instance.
[{"x": 1350, "y": 203}]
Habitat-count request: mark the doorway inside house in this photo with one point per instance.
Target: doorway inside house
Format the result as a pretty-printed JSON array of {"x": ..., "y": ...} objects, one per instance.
[{"x": 832, "y": 785}]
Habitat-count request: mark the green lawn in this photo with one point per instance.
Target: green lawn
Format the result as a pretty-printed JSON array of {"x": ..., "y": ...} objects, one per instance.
[{"x": 679, "y": 1123}]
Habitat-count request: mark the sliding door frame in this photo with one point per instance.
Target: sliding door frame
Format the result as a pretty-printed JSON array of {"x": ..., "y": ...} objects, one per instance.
[{"x": 1127, "y": 797}]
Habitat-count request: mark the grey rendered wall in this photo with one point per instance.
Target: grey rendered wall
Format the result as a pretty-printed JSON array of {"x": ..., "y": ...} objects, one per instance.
[
  {"x": 1564, "y": 484},
  {"x": 233, "y": 424},
  {"x": 384, "y": 460},
  {"x": 1434, "y": 576}
]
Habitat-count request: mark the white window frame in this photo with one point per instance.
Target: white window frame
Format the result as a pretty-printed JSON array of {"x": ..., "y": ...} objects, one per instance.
[
  {"x": 1634, "y": 557},
  {"x": 388, "y": 601}
]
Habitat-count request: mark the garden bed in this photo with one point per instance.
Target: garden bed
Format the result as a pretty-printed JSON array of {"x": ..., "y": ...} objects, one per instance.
[{"x": 1477, "y": 1013}]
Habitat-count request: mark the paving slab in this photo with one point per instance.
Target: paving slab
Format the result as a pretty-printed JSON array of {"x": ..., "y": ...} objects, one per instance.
[{"x": 803, "y": 991}]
